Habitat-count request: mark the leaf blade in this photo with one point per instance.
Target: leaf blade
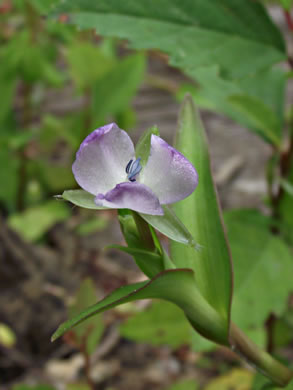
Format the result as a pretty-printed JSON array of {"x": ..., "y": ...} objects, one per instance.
[{"x": 212, "y": 263}]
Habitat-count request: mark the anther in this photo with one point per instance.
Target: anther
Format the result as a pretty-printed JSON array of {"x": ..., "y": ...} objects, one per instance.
[{"x": 133, "y": 168}]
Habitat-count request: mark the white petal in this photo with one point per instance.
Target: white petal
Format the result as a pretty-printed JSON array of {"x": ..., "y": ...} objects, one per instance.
[
  {"x": 168, "y": 173},
  {"x": 101, "y": 159}
]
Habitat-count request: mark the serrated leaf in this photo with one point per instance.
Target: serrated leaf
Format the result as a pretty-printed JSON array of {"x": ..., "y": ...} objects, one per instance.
[
  {"x": 266, "y": 88},
  {"x": 81, "y": 198},
  {"x": 171, "y": 226},
  {"x": 263, "y": 270},
  {"x": 194, "y": 34},
  {"x": 201, "y": 214},
  {"x": 176, "y": 286}
]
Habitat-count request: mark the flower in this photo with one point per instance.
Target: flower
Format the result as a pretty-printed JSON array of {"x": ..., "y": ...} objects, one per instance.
[{"x": 106, "y": 167}]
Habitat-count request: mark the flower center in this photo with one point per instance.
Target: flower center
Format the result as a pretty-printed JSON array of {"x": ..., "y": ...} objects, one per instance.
[{"x": 133, "y": 168}]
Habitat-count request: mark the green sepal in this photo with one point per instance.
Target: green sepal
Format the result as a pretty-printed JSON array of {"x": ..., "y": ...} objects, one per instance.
[
  {"x": 171, "y": 226},
  {"x": 81, "y": 198},
  {"x": 143, "y": 145}
]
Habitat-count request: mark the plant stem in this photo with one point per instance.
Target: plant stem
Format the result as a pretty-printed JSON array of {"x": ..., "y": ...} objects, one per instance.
[
  {"x": 288, "y": 20},
  {"x": 260, "y": 360},
  {"x": 144, "y": 231},
  {"x": 87, "y": 362}
]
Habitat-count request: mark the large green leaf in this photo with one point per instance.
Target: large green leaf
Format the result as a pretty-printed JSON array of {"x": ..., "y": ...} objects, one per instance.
[
  {"x": 263, "y": 269},
  {"x": 238, "y": 36},
  {"x": 260, "y": 98},
  {"x": 177, "y": 286},
  {"x": 223, "y": 45},
  {"x": 201, "y": 215}
]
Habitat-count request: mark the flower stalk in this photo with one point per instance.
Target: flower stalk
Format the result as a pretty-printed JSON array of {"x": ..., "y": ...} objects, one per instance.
[{"x": 259, "y": 359}]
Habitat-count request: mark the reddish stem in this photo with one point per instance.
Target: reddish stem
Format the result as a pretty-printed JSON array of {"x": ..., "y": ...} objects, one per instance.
[{"x": 289, "y": 20}]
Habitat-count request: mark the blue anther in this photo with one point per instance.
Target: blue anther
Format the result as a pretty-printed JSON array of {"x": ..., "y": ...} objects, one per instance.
[
  {"x": 133, "y": 168},
  {"x": 128, "y": 166}
]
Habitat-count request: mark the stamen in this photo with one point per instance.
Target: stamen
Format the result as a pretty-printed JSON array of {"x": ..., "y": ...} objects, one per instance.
[
  {"x": 133, "y": 169},
  {"x": 127, "y": 169}
]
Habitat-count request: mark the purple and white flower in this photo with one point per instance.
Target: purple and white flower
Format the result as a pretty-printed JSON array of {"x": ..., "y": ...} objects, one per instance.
[{"x": 106, "y": 167}]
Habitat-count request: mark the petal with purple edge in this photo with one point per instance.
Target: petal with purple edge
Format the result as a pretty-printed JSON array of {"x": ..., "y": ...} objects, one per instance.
[
  {"x": 101, "y": 159},
  {"x": 168, "y": 173},
  {"x": 134, "y": 196}
]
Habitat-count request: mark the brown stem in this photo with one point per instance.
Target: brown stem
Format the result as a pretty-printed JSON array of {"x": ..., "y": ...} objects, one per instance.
[
  {"x": 270, "y": 326},
  {"x": 87, "y": 364},
  {"x": 286, "y": 160}
]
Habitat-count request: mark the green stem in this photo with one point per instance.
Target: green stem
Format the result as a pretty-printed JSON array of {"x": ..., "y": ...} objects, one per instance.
[
  {"x": 260, "y": 360},
  {"x": 144, "y": 231}
]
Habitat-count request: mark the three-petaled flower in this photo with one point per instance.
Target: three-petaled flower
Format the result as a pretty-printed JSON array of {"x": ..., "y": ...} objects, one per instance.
[{"x": 106, "y": 167}]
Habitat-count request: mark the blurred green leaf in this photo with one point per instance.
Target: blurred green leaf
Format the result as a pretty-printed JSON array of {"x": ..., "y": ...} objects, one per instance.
[
  {"x": 260, "y": 116},
  {"x": 262, "y": 383},
  {"x": 265, "y": 88},
  {"x": 32, "y": 223},
  {"x": 287, "y": 186},
  {"x": 92, "y": 225},
  {"x": 263, "y": 270},
  {"x": 183, "y": 293},
  {"x": 81, "y": 198},
  {"x": 237, "y": 379},
  {"x": 194, "y": 34},
  {"x": 87, "y": 63},
  {"x": 32, "y": 387},
  {"x": 113, "y": 93},
  {"x": 7, "y": 336},
  {"x": 78, "y": 386},
  {"x": 201, "y": 214},
  {"x": 8, "y": 85},
  {"x": 54, "y": 176},
  {"x": 287, "y": 4},
  {"x": 285, "y": 207},
  {"x": 9, "y": 176},
  {"x": 171, "y": 226},
  {"x": 90, "y": 331},
  {"x": 162, "y": 323},
  {"x": 187, "y": 384}
]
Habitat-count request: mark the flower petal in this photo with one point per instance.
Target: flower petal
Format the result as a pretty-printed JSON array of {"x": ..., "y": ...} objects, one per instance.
[
  {"x": 134, "y": 196},
  {"x": 168, "y": 173},
  {"x": 101, "y": 159}
]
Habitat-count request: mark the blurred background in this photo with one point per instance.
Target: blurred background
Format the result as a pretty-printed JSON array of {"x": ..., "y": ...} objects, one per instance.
[{"x": 57, "y": 85}]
